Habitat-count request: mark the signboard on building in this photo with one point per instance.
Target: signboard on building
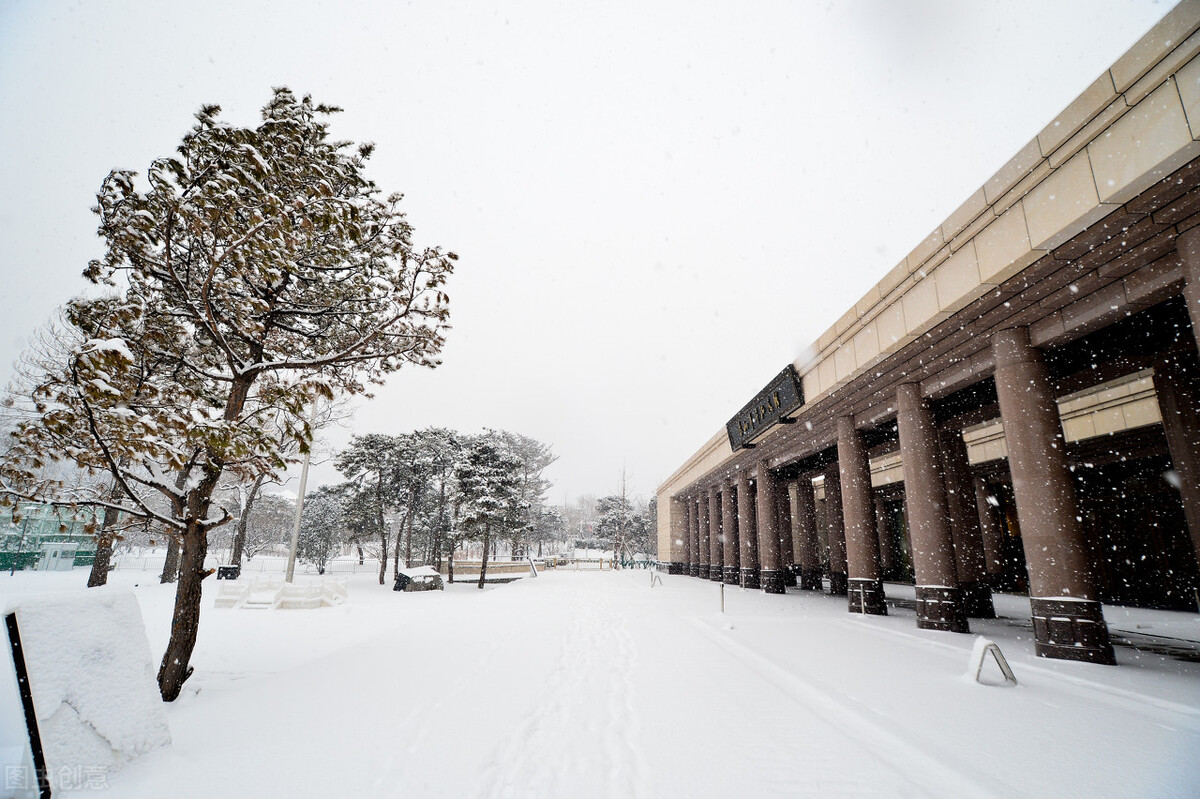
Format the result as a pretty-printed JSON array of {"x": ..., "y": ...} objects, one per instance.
[{"x": 772, "y": 405}]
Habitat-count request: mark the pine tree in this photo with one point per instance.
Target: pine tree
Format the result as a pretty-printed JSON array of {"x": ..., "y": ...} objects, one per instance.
[
  {"x": 489, "y": 489},
  {"x": 321, "y": 527},
  {"x": 259, "y": 269}
]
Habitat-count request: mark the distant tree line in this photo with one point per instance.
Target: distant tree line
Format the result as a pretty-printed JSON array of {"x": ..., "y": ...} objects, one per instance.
[{"x": 420, "y": 496}]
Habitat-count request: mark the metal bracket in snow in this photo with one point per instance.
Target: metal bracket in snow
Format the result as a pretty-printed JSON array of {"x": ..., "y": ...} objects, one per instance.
[{"x": 981, "y": 653}]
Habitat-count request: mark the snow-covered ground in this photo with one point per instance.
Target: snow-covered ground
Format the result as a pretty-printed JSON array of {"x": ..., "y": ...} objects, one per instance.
[{"x": 595, "y": 684}]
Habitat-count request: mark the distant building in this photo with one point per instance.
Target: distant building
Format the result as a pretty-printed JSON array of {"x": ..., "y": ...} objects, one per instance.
[{"x": 25, "y": 543}]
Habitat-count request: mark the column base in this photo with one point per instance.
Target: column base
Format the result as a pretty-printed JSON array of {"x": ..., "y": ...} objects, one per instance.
[
  {"x": 810, "y": 580},
  {"x": 977, "y": 599},
  {"x": 716, "y": 573},
  {"x": 837, "y": 584},
  {"x": 693, "y": 569},
  {"x": 750, "y": 578},
  {"x": 675, "y": 568},
  {"x": 772, "y": 581},
  {"x": 731, "y": 575},
  {"x": 941, "y": 608},
  {"x": 702, "y": 571},
  {"x": 789, "y": 577},
  {"x": 866, "y": 596},
  {"x": 1071, "y": 629}
]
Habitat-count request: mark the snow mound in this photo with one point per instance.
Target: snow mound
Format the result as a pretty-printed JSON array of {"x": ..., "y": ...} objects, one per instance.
[{"x": 92, "y": 680}]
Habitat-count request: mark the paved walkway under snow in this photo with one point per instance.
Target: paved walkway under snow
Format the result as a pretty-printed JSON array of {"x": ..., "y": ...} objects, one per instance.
[{"x": 594, "y": 684}]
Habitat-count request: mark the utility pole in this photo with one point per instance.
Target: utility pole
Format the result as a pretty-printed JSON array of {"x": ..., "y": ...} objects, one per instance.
[{"x": 291, "y": 567}]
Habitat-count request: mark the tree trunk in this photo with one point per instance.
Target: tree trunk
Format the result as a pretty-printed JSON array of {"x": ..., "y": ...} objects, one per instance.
[
  {"x": 104, "y": 545},
  {"x": 408, "y": 537},
  {"x": 361, "y": 555},
  {"x": 383, "y": 556},
  {"x": 400, "y": 533},
  {"x": 185, "y": 622},
  {"x": 450, "y": 563},
  {"x": 483, "y": 567},
  {"x": 239, "y": 538},
  {"x": 439, "y": 533},
  {"x": 186, "y": 618},
  {"x": 171, "y": 564}
]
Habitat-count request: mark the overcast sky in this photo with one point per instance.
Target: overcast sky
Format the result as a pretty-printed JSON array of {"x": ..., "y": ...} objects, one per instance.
[{"x": 657, "y": 205}]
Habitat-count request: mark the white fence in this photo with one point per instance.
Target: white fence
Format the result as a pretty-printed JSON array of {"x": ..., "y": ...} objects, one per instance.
[{"x": 257, "y": 564}]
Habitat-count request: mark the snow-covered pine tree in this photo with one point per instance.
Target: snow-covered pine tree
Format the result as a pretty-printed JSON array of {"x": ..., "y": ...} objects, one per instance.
[
  {"x": 369, "y": 464},
  {"x": 489, "y": 491},
  {"x": 260, "y": 268},
  {"x": 321, "y": 527}
]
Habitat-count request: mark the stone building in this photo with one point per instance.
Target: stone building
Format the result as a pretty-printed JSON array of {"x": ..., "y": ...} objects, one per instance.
[{"x": 1015, "y": 406}]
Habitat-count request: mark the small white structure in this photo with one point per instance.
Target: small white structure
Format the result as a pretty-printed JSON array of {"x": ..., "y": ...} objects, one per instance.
[
  {"x": 272, "y": 593},
  {"x": 57, "y": 556}
]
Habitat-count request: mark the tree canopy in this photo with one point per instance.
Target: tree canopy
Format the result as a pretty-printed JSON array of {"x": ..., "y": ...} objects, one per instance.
[{"x": 250, "y": 272}]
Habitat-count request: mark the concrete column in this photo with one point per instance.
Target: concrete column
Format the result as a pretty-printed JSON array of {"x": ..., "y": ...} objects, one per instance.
[
  {"x": 747, "y": 533},
  {"x": 716, "y": 567},
  {"x": 835, "y": 531},
  {"x": 787, "y": 558},
  {"x": 964, "y": 527},
  {"x": 807, "y": 552},
  {"x": 702, "y": 533},
  {"x": 939, "y": 602},
  {"x": 887, "y": 547},
  {"x": 1188, "y": 246},
  {"x": 695, "y": 532},
  {"x": 770, "y": 575},
  {"x": 689, "y": 557},
  {"x": 1179, "y": 402},
  {"x": 1068, "y": 622},
  {"x": 864, "y": 586},
  {"x": 729, "y": 532},
  {"x": 989, "y": 525}
]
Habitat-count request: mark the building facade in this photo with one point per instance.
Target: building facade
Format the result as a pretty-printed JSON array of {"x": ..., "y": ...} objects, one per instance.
[{"x": 1015, "y": 406}]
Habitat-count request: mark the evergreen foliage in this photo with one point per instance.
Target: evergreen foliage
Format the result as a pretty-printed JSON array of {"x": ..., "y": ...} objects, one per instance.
[{"x": 258, "y": 268}]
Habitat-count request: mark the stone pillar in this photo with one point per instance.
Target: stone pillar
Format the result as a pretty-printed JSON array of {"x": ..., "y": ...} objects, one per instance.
[
  {"x": 770, "y": 575},
  {"x": 689, "y": 557},
  {"x": 747, "y": 533},
  {"x": 805, "y": 516},
  {"x": 887, "y": 547},
  {"x": 787, "y": 558},
  {"x": 864, "y": 586},
  {"x": 989, "y": 525},
  {"x": 939, "y": 602},
  {"x": 716, "y": 567},
  {"x": 1179, "y": 402},
  {"x": 695, "y": 532},
  {"x": 703, "y": 534},
  {"x": 729, "y": 533},
  {"x": 964, "y": 527},
  {"x": 835, "y": 531},
  {"x": 1068, "y": 622},
  {"x": 1188, "y": 246}
]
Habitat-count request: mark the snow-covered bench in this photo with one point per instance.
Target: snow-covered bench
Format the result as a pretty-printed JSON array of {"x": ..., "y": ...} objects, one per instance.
[{"x": 267, "y": 593}]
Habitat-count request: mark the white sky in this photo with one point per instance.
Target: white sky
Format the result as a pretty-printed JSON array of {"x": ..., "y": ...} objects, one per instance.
[{"x": 657, "y": 205}]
